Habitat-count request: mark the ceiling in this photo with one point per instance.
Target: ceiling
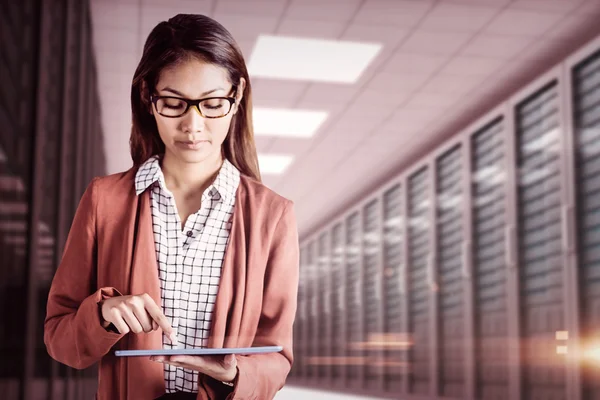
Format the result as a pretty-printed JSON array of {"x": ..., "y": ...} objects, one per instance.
[{"x": 443, "y": 64}]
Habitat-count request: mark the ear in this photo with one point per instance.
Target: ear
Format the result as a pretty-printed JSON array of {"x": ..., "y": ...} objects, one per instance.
[{"x": 239, "y": 94}]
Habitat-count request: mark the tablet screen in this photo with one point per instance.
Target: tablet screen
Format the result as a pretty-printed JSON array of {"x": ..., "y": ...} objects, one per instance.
[{"x": 198, "y": 352}]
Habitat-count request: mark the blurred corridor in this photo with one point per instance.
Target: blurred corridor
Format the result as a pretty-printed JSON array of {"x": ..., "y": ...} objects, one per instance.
[{"x": 443, "y": 157}]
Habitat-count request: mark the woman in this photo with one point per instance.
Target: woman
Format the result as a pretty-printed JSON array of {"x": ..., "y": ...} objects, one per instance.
[{"x": 187, "y": 248}]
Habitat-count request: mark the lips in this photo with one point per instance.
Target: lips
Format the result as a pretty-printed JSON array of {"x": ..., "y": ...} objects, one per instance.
[{"x": 191, "y": 144}]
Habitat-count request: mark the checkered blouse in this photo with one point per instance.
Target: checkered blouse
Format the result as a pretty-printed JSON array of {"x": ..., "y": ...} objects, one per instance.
[{"x": 190, "y": 260}]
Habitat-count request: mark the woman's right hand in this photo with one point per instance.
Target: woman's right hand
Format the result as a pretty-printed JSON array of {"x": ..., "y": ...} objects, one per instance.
[{"x": 137, "y": 314}]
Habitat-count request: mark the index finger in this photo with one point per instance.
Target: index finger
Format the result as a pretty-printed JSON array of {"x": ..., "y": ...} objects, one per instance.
[{"x": 157, "y": 315}]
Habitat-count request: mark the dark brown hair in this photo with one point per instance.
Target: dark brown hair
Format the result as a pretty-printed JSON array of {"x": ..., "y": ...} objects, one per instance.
[{"x": 174, "y": 41}]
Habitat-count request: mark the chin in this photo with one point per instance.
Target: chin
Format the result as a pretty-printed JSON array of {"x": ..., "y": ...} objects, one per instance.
[{"x": 194, "y": 157}]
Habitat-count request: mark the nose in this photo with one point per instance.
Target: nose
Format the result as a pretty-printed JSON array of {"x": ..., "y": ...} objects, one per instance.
[{"x": 192, "y": 121}]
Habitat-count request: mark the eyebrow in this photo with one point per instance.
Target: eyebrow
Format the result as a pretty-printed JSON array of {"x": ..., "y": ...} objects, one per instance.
[{"x": 178, "y": 93}]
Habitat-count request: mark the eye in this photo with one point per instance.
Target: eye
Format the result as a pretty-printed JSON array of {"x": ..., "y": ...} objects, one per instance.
[
  {"x": 172, "y": 104},
  {"x": 213, "y": 104}
]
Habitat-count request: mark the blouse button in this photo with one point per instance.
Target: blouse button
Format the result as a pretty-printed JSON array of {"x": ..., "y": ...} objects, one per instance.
[{"x": 189, "y": 233}]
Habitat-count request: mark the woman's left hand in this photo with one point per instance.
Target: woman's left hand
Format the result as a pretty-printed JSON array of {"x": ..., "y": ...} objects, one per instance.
[{"x": 221, "y": 368}]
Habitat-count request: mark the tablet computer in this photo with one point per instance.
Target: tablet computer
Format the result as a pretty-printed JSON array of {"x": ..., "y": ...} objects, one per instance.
[{"x": 198, "y": 352}]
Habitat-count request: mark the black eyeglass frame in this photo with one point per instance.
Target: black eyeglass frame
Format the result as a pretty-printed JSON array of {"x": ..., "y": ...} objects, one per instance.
[{"x": 194, "y": 103}]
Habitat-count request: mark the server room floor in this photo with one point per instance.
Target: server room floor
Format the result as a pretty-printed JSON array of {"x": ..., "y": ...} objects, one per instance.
[{"x": 298, "y": 393}]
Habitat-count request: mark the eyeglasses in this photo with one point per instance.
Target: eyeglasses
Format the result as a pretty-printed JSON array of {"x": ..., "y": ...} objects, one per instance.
[{"x": 210, "y": 107}]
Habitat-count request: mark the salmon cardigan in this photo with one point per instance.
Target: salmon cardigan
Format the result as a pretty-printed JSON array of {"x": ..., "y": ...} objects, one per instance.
[{"x": 110, "y": 251}]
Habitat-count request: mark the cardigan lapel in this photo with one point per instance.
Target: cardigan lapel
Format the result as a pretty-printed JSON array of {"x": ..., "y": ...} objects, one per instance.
[
  {"x": 229, "y": 303},
  {"x": 145, "y": 377},
  {"x": 227, "y": 312}
]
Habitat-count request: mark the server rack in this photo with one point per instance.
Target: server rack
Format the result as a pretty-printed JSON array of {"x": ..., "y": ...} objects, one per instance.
[
  {"x": 450, "y": 262},
  {"x": 421, "y": 282},
  {"x": 582, "y": 213},
  {"x": 323, "y": 283},
  {"x": 538, "y": 205},
  {"x": 49, "y": 111},
  {"x": 300, "y": 337},
  {"x": 394, "y": 290},
  {"x": 313, "y": 313},
  {"x": 488, "y": 260},
  {"x": 354, "y": 302},
  {"x": 372, "y": 294},
  {"x": 491, "y": 237},
  {"x": 339, "y": 317}
]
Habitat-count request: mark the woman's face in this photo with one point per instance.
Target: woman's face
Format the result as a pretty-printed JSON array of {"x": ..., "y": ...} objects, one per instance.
[{"x": 192, "y": 138}]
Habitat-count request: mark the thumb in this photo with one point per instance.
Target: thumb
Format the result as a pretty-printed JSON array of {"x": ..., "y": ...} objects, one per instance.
[{"x": 229, "y": 359}]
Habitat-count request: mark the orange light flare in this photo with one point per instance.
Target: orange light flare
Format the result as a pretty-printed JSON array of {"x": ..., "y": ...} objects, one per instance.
[
  {"x": 371, "y": 361},
  {"x": 563, "y": 349},
  {"x": 592, "y": 355},
  {"x": 589, "y": 353},
  {"x": 336, "y": 360},
  {"x": 384, "y": 341},
  {"x": 540, "y": 351}
]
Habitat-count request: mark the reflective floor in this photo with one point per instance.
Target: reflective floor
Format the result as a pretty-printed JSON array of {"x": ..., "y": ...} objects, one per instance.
[{"x": 297, "y": 393}]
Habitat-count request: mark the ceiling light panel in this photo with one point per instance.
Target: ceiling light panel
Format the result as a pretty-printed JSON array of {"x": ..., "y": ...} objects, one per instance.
[
  {"x": 287, "y": 122},
  {"x": 318, "y": 60},
  {"x": 274, "y": 164}
]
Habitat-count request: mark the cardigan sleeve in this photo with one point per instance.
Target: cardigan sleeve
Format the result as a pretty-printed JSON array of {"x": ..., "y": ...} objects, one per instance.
[
  {"x": 73, "y": 331},
  {"x": 261, "y": 376}
]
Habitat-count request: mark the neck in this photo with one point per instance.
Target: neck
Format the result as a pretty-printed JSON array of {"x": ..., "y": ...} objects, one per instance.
[{"x": 190, "y": 177}]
